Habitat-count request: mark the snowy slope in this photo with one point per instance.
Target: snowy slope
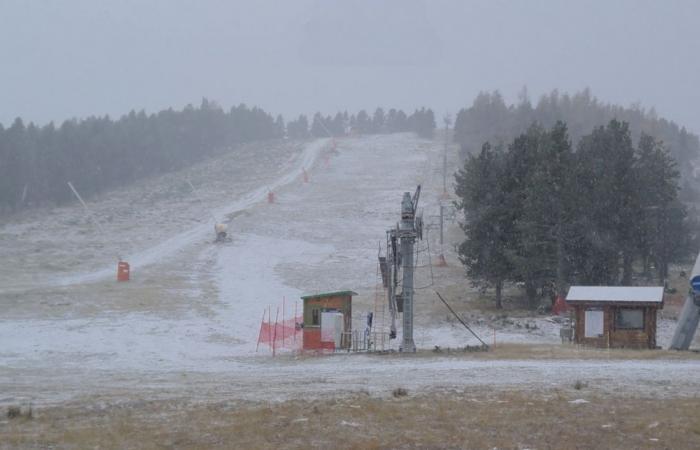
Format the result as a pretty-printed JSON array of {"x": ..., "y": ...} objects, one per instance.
[{"x": 193, "y": 306}]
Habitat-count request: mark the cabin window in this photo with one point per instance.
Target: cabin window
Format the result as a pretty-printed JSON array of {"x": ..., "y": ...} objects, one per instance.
[
  {"x": 315, "y": 317},
  {"x": 629, "y": 319},
  {"x": 593, "y": 323}
]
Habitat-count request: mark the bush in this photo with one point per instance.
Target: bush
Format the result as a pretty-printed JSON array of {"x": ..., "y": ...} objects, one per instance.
[
  {"x": 400, "y": 392},
  {"x": 15, "y": 412}
]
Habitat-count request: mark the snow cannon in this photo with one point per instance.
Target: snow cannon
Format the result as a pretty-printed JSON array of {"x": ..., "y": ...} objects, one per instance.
[
  {"x": 221, "y": 232},
  {"x": 123, "y": 271}
]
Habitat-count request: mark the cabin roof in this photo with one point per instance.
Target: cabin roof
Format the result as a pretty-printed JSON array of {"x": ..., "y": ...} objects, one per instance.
[
  {"x": 618, "y": 294},
  {"x": 329, "y": 294}
]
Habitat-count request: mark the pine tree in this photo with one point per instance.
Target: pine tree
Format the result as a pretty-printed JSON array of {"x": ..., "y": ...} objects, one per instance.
[
  {"x": 488, "y": 221},
  {"x": 378, "y": 121},
  {"x": 607, "y": 160},
  {"x": 279, "y": 127},
  {"x": 363, "y": 123}
]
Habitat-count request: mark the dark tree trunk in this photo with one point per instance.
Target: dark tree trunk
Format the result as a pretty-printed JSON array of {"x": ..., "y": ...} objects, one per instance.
[
  {"x": 499, "y": 289},
  {"x": 531, "y": 292},
  {"x": 561, "y": 262},
  {"x": 647, "y": 267}
]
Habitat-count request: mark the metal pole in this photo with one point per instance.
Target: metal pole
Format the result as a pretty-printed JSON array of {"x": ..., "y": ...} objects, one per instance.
[
  {"x": 441, "y": 225},
  {"x": 407, "y": 257},
  {"x": 444, "y": 165},
  {"x": 274, "y": 338},
  {"x": 196, "y": 193},
  {"x": 260, "y": 334},
  {"x": 407, "y": 234},
  {"x": 89, "y": 213},
  {"x": 447, "y": 121}
]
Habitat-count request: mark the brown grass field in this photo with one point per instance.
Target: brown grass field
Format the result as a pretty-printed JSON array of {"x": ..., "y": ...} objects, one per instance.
[{"x": 479, "y": 420}]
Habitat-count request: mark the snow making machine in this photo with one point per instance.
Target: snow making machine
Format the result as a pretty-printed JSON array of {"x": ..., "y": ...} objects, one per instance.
[{"x": 221, "y": 231}]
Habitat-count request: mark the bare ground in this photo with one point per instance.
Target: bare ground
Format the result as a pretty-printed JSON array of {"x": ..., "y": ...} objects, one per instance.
[{"x": 573, "y": 418}]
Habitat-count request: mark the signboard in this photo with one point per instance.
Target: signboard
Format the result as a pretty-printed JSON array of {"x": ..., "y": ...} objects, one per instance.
[{"x": 695, "y": 283}]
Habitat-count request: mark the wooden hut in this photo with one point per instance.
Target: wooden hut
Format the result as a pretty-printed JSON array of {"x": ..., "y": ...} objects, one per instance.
[
  {"x": 615, "y": 316},
  {"x": 328, "y": 320}
]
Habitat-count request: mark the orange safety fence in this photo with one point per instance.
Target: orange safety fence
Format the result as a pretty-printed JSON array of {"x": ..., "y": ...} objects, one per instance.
[{"x": 280, "y": 333}]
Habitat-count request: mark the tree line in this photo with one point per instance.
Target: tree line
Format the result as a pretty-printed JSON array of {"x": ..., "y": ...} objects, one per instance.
[
  {"x": 421, "y": 122},
  {"x": 99, "y": 153},
  {"x": 491, "y": 119},
  {"x": 541, "y": 214}
]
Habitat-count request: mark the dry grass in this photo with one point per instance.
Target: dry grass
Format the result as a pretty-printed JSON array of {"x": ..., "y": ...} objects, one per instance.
[
  {"x": 439, "y": 420},
  {"x": 512, "y": 351}
]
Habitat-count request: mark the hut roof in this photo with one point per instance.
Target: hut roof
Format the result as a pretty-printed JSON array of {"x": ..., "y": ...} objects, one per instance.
[
  {"x": 618, "y": 294},
  {"x": 329, "y": 294}
]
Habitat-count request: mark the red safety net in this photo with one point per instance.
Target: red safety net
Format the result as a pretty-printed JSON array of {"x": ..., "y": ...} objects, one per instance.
[
  {"x": 560, "y": 306},
  {"x": 280, "y": 333}
]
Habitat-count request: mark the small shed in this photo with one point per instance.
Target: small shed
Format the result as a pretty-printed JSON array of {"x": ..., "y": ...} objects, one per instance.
[
  {"x": 328, "y": 320},
  {"x": 615, "y": 316}
]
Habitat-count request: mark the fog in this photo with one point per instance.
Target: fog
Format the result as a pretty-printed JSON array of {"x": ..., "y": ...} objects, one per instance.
[{"x": 81, "y": 58}]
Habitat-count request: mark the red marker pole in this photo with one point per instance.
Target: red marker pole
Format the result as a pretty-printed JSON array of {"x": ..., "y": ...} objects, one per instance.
[
  {"x": 260, "y": 335},
  {"x": 269, "y": 324},
  {"x": 274, "y": 338}
]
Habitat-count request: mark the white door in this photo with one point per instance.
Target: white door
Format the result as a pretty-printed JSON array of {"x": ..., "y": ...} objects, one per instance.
[
  {"x": 332, "y": 327},
  {"x": 593, "y": 323}
]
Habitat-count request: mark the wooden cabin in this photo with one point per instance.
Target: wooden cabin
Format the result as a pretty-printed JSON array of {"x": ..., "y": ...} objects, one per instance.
[
  {"x": 615, "y": 316},
  {"x": 328, "y": 320}
]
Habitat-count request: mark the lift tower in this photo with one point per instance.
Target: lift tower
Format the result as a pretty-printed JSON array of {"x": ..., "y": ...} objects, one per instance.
[{"x": 399, "y": 265}]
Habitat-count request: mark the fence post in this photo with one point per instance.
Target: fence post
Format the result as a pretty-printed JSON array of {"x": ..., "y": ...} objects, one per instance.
[
  {"x": 262, "y": 321},
  {"x": 269, "y": 323},
  {"x": 274, "y": 337}
]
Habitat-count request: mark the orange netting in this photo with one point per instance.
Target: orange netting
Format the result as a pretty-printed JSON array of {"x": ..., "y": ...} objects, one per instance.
[{"x": 281, "y": 333}]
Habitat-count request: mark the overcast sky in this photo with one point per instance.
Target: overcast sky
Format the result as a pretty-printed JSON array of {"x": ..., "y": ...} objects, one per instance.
[{"x": 75, "y": 58}]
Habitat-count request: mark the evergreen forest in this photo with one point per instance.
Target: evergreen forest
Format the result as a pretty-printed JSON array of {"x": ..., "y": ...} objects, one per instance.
[
  {"x": 544, "y": 212},
  {"x": 98, "y": 153}
]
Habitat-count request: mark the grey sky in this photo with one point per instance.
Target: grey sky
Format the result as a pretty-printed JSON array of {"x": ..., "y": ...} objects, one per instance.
[{"x": 68, "y": 58}]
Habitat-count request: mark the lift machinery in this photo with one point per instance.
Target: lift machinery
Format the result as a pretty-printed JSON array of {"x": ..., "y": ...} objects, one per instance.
[{"x": 397, "y": 268}]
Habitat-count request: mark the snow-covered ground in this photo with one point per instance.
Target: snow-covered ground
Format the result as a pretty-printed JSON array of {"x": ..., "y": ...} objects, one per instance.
[{"x": 190, "y": 316}]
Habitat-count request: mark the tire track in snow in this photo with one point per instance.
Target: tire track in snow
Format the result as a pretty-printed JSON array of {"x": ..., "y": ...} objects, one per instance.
[{"x": 172, "y": 245}]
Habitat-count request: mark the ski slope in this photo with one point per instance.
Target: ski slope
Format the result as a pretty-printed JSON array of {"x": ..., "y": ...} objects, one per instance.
[{"x": 190, "y": 317}]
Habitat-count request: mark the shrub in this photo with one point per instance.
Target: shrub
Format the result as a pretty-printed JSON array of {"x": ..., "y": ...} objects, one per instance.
[{"x": 400, "y": 392}]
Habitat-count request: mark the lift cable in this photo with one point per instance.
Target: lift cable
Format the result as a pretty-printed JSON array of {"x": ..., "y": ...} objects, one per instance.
[{"x": 460, "y": 319}]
